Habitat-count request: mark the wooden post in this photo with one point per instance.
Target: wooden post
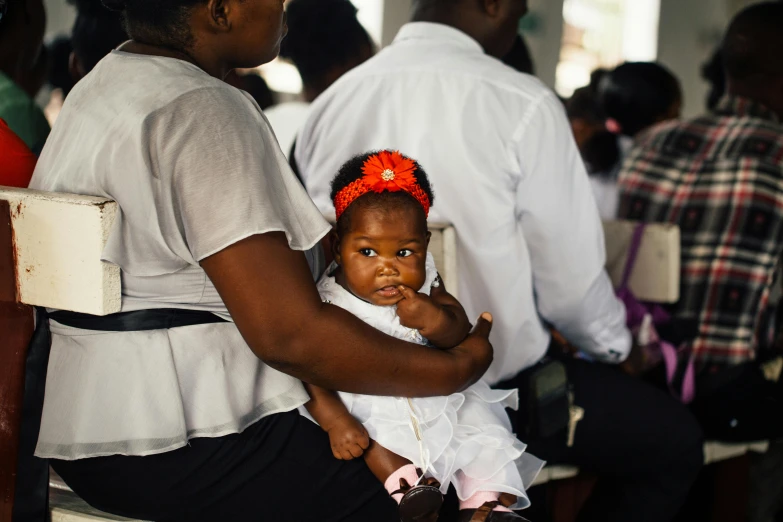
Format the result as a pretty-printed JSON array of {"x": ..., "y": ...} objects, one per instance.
[{"x": 16, "y": 330}]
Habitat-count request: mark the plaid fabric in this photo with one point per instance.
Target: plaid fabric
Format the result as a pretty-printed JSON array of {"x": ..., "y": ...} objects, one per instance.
[{"x": 720, "y": 178}]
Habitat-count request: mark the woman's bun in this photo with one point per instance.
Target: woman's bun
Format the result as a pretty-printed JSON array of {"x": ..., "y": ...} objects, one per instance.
[{"x": 115, "y": 5}]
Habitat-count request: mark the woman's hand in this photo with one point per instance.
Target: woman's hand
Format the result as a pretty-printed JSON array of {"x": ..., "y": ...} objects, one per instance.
[
  {"x": 348, "y": 438},
  {"x": 476, "y": 351}
]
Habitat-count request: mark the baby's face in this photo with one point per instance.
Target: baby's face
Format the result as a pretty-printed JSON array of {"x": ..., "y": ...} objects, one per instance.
[{"x": 382, "y": 249}]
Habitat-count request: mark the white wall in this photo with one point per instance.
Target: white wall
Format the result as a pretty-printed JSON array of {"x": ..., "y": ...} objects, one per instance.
[
  {"x": 689, "y": 32},
  {"x": 546, "y": 37},
  {"x": 371, "y": 16},
  {"x": 396, "y": 13},
  {"x": 59, "y": 18}
]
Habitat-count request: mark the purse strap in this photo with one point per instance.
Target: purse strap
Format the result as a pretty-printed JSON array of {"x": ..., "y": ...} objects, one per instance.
[
  {"x": 670, "y": 360},
  {"x": 633, "y": 254},
  {"x": 668, "y": 351}
]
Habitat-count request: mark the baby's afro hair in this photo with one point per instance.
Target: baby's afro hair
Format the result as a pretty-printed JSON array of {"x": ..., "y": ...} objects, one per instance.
[{"x": 352, "y": 170}]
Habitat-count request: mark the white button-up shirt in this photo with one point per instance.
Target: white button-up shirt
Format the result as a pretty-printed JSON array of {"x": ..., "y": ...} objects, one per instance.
[{"x": 506, "y": 172}]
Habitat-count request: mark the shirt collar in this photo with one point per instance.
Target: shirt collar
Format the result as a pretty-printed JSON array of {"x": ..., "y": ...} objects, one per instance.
[
  {"x": 438, "y": 33},
  {"x": 744, "y": 107}
]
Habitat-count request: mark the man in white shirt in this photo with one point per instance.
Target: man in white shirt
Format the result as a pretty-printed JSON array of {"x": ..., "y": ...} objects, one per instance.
[{"x": 507, "y": 173}]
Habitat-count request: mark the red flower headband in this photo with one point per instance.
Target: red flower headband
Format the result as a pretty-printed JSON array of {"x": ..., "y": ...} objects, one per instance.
[{"x": 383, "y": 172}]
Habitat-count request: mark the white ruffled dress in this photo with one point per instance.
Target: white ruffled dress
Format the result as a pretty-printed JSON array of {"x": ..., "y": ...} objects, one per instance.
[{"x": 466, "y": 438}]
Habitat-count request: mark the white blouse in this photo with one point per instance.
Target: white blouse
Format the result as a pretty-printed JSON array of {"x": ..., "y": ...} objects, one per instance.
[{"x": 194, "y": 167}]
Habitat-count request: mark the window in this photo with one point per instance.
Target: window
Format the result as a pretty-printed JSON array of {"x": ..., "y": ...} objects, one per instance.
[{"x": 604, "y": 33}]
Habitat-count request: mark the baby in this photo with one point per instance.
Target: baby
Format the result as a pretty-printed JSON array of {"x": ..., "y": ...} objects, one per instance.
[{"x": 384, "y": 275}]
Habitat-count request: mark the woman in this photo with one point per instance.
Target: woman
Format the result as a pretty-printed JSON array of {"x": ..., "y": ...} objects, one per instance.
[
  {"x": 23, "y": 65},
  {"x": 611, "y": 112},
  {"x": 164, "y": 412}
]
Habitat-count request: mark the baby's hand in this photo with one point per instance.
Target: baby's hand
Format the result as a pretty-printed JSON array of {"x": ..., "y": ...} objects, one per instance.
[
  {"x": 418, "y": 311},
  {"x": 348, "y": 438}
]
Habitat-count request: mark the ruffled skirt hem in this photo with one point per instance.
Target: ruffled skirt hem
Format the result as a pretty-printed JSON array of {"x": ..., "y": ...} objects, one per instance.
[{"x": 466, "y": 438}]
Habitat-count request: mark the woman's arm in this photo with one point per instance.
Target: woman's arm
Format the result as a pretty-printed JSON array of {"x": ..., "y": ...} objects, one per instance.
[{"x": 269, "y": 291}]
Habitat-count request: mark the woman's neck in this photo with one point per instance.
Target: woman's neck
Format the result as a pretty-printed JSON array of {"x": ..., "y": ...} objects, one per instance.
[{"x": 209, "y": 65}]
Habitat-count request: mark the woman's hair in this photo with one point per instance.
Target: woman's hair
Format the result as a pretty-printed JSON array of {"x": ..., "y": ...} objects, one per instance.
[
  {"x": 715, "y": 74},
  {"x": 637, "y": 95},
  {"x": 583, "y": 104},
  {"x": 352, "y": 170},
  {"x": 322, "y": 35},
  {"x": 59, "y": 76},
  {"x": 601, "y": 151},
  {"x": 157, "y": 22}
]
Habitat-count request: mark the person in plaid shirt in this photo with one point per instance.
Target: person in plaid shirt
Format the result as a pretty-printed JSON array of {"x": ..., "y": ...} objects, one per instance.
[{"x": 720, "y": 178}]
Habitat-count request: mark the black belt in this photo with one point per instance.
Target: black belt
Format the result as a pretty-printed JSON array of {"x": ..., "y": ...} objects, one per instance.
[{"x": 140, "y": 320}]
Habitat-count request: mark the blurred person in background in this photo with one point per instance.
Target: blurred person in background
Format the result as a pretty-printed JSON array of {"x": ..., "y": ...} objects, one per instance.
[
  {"x": 719, "y": 177},
  {"x": 501, "y": 156},
  {"x": 519, "y": 57},
  {"x": 325, "y": 40},
  {"x": 96, "y": 32},
  {"x": 629, "y": 99},
  {"x": 598, "y": 146},
  {"x": 714, "y": 74},
  {"x": 253, "y": 84},
  {"x": 59, "y": 75},
  {"x": 18, "y": 162},
  {"x": 23, "y": 68},
  {"x": 637, "y": 95},
  {"x": 584, "y": 114}
]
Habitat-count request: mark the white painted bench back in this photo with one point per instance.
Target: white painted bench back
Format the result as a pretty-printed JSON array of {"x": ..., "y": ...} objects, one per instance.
[
  {"x": 443, "y": 246},
  {"x": 656, "y": 274},
  {"x": 59, "y": 239},
  {"x": 655, "y": 278}
]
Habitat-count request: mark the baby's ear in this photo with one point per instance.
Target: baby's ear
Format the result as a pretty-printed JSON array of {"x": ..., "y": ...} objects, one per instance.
[
  {"x": 429, "y": 236},
  {"x": 334, "y": 239}
]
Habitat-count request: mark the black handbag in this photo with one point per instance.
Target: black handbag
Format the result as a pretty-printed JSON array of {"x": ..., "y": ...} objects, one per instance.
[
  {"x": 548, "y": 400},
  {"x": 739, "y": 404}
]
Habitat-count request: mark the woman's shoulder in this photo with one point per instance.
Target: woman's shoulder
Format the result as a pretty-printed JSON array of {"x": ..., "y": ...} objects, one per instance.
[{"x": 155, "y": 84}]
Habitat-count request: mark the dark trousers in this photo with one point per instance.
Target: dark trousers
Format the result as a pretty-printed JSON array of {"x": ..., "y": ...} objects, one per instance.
[
  {"x": 280, "y": 469},
  {"x": 645, "y": 447}
]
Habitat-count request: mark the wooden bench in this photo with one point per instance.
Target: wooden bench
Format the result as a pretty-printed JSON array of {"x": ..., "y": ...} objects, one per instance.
[{"x": 50, "y": 256}]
